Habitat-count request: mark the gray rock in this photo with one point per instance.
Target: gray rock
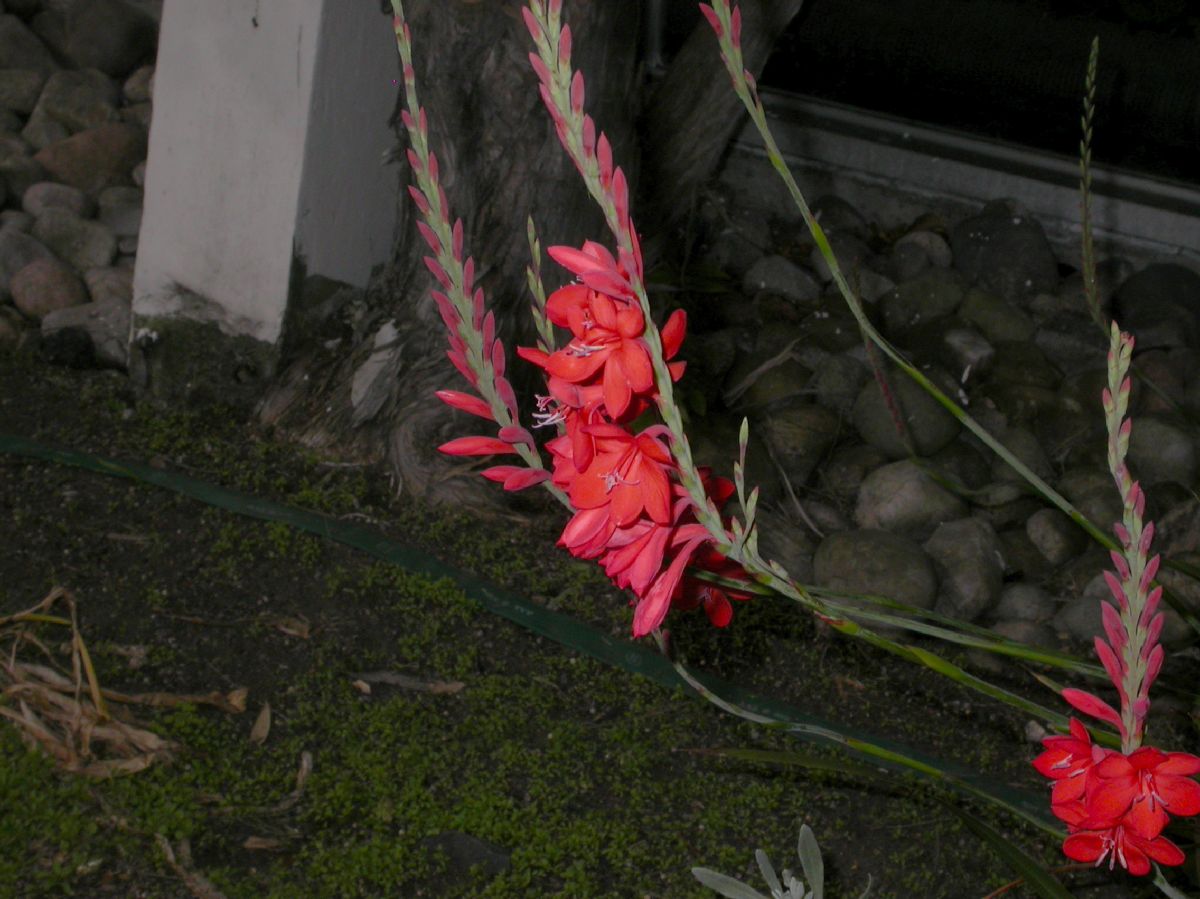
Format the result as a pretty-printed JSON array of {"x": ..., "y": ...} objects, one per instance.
[
  {"x": 933, "y": 294},
  {"x": 1183, "y": 587},
  {"x": 1160, "y": 306},
  {"x": 20, "y": 171},
  {"x": 20, "y": 89},
  {"x": 109, "y": 284},
  {"x": 1024, "y": 602},
  {"x": 836, "y": 215},
  {"x": 929, "y": 426},
  {"x": 903, "y": 499},
  {"x": 780, "y": 540},
  {"x": 1159, "y": 451},
  {"x": 1071, "y": 339},
  {"x": 996, "y": 318},
  {"x": 756, "y": 382},
  {"x": 121, "y": 210},
  {"x": 930, "y": 244},
  {"x": 50, "y": 29},
  {"x": 10, "y": 122},
  {"x": 97, "y": 158},
  {"x": 46, "y": 285},
  {"x": 48, "y": 195},
  {"x": 870, "y": 285},
  {"x": 799, "y": 436},
  {"x": 15, "y": 220},
  {"x": 82, "y": 243},
  {"x": 970, "y": 565},
  {"x": 141, "y": 114},
  {"x": 80, "y": 99},
  {"x": 1056, "y": 537},
  {"x": 110, "y": 35},
  {"x": 962, "y": 464},
  {"x": 837, "y": 382},
  {"x": 21, "y": 49},
  {"x": 1031, "y": 633},
  {"x": 1021, "y": 557},
  {"x": 127, "y": 246},
  {"x": 782, "y": 277},
  {"x": 906, "y": 261},
  {"x": 876, "y": 563},
  {"x": 851, "y": 254},
  {"x": 1093, "y": 492},
  {"x": 17, "y": 250},
  {"x": 1005, "y": 251},
  {"x": 1024, "y": 445},
  {"x": 844, "y": 472},
  {"x": 969, "y": 352},
  {"x": 138, "y": 174},
  {"x": 1023, "y": 363},
  {"x": 1166, "y": 372},
  {"x": 105, "y": 323},
  {"x": 139, "y": 87},
  {"x": 42, "y": 131}
]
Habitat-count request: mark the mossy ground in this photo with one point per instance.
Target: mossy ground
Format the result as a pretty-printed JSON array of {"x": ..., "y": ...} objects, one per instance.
[{"x": 577, "y": 771}]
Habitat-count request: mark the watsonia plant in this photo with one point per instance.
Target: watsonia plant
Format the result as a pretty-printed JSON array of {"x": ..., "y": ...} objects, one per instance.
[{"x": 639, "y": 504}]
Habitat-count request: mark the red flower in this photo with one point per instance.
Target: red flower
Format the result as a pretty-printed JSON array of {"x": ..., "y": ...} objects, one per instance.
[
  {"x": 627, "y": 474},
  {"x": 1123, "y": 846},
  {"x": 1144, "y": 788},
  {"x": 1067, "y": 761}
]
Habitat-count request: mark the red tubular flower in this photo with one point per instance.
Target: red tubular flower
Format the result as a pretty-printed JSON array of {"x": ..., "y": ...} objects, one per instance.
[
  {"x": 1123, "y": 846},
  {"x": 1144, "y": 788},
  {"x": 1067, "y": 761},
  {"x": 627, "y": 474}
]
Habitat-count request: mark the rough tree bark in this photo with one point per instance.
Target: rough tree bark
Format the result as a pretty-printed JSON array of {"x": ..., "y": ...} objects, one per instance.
[{"x": 370, "y": 395}]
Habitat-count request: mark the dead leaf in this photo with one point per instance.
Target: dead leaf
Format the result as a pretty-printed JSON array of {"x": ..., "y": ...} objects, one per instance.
[
  {"x": 266, "y": 844},
  {"x": 262, "y": 725},
  {"x": 362, "y": 687},
  {"x": 395, "y": 679},
  {"x": 237, "y": 699},
  {"x": 199, "y": 885},
  {"x": 291, "y": 626}
]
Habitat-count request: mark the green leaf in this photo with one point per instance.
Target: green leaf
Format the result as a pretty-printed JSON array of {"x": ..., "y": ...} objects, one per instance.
[
  {"x": 1026, "y": 866},
  {"x": 811, "y": 861},
  {"x": 725, "y": 885}
]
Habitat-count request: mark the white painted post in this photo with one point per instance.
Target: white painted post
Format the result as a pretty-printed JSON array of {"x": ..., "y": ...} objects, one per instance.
[{"x": 270, "y": 118}]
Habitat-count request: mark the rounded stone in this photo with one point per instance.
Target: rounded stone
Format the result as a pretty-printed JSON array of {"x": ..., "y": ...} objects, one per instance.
[
  {"x": 46, "y": 285},
  {"x": 970, "y": 564},
  {"x": 1004, "y": 250},
  {"x": 1159, "y": 452},
  {"x": 1024, "y": 602},
  {"x": 902, "y": 498},
  {"x": 799, "y": 436},
  {"x": 1056, "y": 537},
  {"x": 48, "y": 195},
  {"x": 929, "y": 426},
  {"x": 876, "y": 563}
]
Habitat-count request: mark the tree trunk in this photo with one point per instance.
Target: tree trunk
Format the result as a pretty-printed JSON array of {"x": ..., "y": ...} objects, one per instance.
[{"x": 370, "y": 395}]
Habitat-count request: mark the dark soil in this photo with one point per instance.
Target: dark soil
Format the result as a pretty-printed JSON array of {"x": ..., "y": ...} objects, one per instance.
[{"x": 546, "y": 774}]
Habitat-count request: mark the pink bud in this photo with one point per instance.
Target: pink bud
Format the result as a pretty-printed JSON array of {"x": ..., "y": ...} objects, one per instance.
[
  {"x": 589, "y": 134},
  {"x": 489, "y": 328},
  {"x": 409, "y": 75},
  {"x": 1113, "y": 626},
  {"x": 457, "y": 234},
  {"x": 1154, "y": 663},
  {"x": 604, "y": 159},
  {"x": 1120, "y": 564},
  {"x": 748, "y": 77},
  {"x": 477, "y": 308},
  {"x": 535, "y": 30},
  {"x": 1112, "y": 665},
  {"x": 446, "y": 310},
  {"x": 459, "y": 362},
  {"x": 397, "y": 24},
  {"x": 555, "y": 7},
  {"x": 419, "y": 200},
  {"x": 430, "y": 238},
  {"x": 1094, "y": 706},
  {"x": 540, "y": 69},
  {"x": 713, "y": 20},
  {"x": 516, "y": 434},
  {"x": 735, "y": 27},
  {"x": 475, "y": 446},
  {"x": 1147, "y": 531},
  {"x": 1149, "y": 573},
  {"x": 407, "y": 119},
  {"x": 577, "y": 97},
  {"x": 465, "y": 402},
  {"x": 1153, "y": 632},
  {"x": 1118, "y": 592},
  {"x": 433, "y": 170},
  {"x": 1121, "y": 533},
  {"x": 437, "y": 271},
  {"x": 498, "y": 358},
  {"x": 414, "y": 160},
  {"x": 620, "y": 197},
  {"x": 444, "y": 204},
  {"x": 468, "y": 274},
  {"x": 423, "y": 119},
  {"x": 564, "y": 47},
  {"x": 505, "y": 391}
]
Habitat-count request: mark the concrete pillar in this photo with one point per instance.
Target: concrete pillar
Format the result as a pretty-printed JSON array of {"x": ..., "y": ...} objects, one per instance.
[{"x": 264, "y": 173}]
